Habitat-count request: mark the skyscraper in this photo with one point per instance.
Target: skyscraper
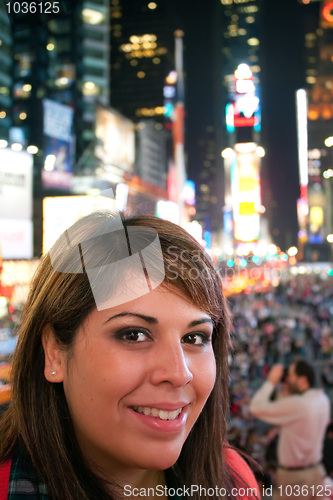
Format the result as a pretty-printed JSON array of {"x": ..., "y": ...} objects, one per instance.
[
  {"x": 59, "y": 71},
  {"x": 5, "y": 73},
  {"x": 143, "y": 87},
  {"x": 242, "y": 105},
  {"x": 142, "y": 55},
  {"x": 66, "y": 60},
  {"x": 319, "y": 84}
]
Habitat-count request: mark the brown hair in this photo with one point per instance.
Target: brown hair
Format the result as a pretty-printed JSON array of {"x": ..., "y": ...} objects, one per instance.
[
  {"x": 304, "y": 369},
  {"x": 38, "y": 415}
]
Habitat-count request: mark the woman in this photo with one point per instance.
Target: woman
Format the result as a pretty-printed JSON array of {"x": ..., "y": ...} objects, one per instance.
[{"x": 120, "y": 373}]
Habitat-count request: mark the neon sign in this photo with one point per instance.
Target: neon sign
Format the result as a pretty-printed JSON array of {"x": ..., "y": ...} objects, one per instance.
[{"x": 327, "y": 12}]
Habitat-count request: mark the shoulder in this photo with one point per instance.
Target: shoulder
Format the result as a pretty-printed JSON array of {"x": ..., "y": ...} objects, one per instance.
[
  {"x": 246, "y": 481},
  {"x": 317, "y": 395}
]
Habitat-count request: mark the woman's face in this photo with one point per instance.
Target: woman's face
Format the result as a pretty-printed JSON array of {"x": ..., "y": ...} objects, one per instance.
[{"x": 138, "y": 379}]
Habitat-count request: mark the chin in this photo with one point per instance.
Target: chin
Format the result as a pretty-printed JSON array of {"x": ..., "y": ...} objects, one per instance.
[{"x": 164, "y": 459}]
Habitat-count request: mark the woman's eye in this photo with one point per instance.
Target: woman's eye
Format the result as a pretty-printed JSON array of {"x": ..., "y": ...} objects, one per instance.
[
  {"x": 195, "y": 339},
  {"x": 134, "y": 336}
]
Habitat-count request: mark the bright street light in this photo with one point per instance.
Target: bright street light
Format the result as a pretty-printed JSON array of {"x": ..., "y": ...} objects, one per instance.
[
  {"x": 292, "y": 251},
  {"x": 329, "y": 142}
]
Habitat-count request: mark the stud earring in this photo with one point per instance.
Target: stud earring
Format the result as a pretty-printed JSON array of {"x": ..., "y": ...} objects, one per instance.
[{"x": 53, "y": 373}]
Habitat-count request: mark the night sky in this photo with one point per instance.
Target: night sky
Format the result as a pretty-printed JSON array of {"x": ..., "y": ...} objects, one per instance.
[{"x": 282, "y": 73}]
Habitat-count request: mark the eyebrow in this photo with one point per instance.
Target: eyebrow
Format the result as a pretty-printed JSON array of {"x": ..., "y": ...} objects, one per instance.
[
  {"x": 149, "y": 319},
  {"x": 154, "y": 321},
  {"x": 201, "y": 321}
]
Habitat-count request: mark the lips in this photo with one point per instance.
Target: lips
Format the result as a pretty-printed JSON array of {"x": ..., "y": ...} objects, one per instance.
[{"x": 157, "y": 413}]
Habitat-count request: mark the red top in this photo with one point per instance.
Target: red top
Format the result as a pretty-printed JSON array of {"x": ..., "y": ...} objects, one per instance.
[
  {"x": 250, "y": 489},
  {"x": 4, "y": 479}
]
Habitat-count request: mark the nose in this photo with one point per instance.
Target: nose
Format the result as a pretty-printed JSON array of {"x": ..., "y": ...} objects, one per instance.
[{"x": 170, "y": 364}]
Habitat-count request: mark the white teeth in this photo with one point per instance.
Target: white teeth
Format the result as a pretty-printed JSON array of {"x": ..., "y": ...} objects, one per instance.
[
  {"x": 155, "y": 412},
  {"x": 173, "y": 415},
  {"x": 163, "y": 415}
]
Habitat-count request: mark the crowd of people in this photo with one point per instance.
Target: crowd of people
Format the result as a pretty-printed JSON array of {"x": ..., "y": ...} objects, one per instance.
[{"x": 278, "y": 325}]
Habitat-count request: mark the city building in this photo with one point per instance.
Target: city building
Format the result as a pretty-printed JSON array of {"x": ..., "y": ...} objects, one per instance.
[
  {"x": 241, "y": 148},
  {"x": 142, "y": 55},
  {"x": 59, "y": 72},
  {"x": 67, "y": 61},
  {"x": 315, "y": 203},
  {"x": 5, "y": 74},
  {"x": 146, "y": 88}
]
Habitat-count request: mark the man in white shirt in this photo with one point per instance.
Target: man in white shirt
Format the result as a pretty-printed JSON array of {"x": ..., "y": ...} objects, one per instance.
[{"x": 303, "y": 416}]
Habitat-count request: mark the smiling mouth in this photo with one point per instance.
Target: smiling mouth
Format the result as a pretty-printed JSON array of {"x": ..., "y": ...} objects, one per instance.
[{"x": 155, "y": 412}]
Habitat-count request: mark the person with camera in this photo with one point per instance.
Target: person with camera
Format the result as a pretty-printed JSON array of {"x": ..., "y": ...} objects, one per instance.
[{"x": 302, "y": 416}]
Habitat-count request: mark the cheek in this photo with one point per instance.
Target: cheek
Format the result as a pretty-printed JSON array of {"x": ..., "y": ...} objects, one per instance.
[{"x": 206, "y": 376}]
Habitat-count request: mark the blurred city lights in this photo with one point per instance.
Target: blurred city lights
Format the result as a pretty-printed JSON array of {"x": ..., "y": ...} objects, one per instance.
[
  {"x": 328, "y": 173},
  {"x": 3, "y": 143},
  {"x": 253, "y": 42},
  {"x": 330, "y": 238},
  {"x": 171, "y": 79},
  {"x": 243, "y": 72},
  {"x": 32, "y": 149},
  {"x": 227, "y": 153},
  {"x": 246, "y": 147},
  {"x": 49, "y": 162},
  {"x": 62, "y": 81},
  {"x": 16, "y": 146},
  {"x": 260, "y": 152},
  {"x": 292, "y": 251},
  {"x": 272, "y": 249},
  {"x": 329, "y": 142},
  {"x": 90, "y": 89},
  {"x": 91, "y": 16}
]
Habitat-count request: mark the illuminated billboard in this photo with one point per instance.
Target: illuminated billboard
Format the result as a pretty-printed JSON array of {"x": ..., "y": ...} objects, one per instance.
[
  {"x": 115, "y": 140},
  {"x": 326, "y": 14},
  {"x": 58, "y": 145},
  {"x": 245, "y": 185},
  {"x": 16, "y": 231},
  {"x": 60, "y": 212},
  {"x": 244, "y": 110}
]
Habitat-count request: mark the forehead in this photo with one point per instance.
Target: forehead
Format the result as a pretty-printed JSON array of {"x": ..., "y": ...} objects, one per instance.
[{"x": 157, "y": 303}]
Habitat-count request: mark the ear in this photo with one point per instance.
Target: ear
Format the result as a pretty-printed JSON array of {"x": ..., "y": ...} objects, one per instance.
[{"x": 55, "y": 362}]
